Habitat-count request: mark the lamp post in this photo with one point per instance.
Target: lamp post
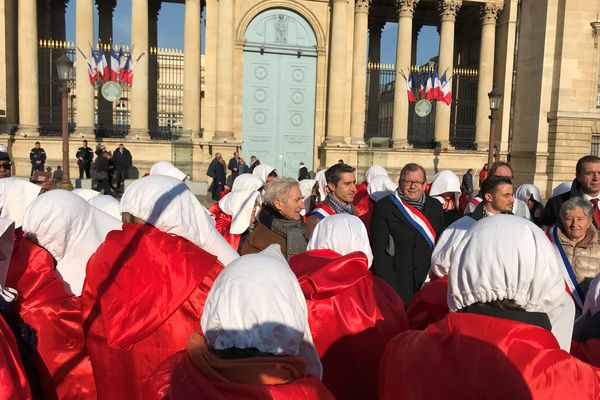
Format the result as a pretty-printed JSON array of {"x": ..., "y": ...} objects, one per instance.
[
  {"x": 495, "y": 99},
  {"x": 64, "y": 65}
]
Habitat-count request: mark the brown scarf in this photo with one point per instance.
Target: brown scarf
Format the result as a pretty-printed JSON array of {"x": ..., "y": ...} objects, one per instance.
[{"x": 275, "y": 370}]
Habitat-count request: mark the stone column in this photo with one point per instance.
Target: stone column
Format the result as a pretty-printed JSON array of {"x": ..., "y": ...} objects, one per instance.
[
  {"x": 375, "y": 27},
  {"x": 489, "y": 13},
  {"x": 337, "y": 68},
  {"x": 191, "y": 67},
  {"x": 28, "y": 68},
  {"x": 406, "y": 9},
  {"x": 153, "y": 11},
  {"x": 224, "y": 122},
  {"x": 359, "y": 72},
  {"x": 139, "y": 88},
  {"x": 448, "y": 10},
  {"x": 84, "y": 100},
  {"x": 105, "y": 30}
]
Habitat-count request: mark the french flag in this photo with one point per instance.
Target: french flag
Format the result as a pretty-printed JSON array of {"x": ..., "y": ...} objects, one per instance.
[
  {"x": 91, "y": 67},
  {"x": 114, "y": 65},
  {"x": 446, "y": 90},
  {"x": 409, "y": 88},
  {"x": 103, "y": 66},
  {"x": 429, "y": 94},
  {"x": 421, "y": 88},
  {"x": 437, "y": 86},
  {"x": 125, "y": 64},
  {"x": 130, "y": 72}
]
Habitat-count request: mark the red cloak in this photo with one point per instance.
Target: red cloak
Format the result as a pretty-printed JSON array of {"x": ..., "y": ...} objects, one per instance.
[
  {"x": 428, "y": 305},
  {"x": 13, "y": 380},
  {"x": 364, "y": 205},
  {"x": 471, "y": 356},
  {"x": 54, "y": 312},
  {"x": 223, "y": 224},
  {"x": 143, "y": 297},
  {"x": 352, "y": 316},
  {"x": 179, "y": 378}
]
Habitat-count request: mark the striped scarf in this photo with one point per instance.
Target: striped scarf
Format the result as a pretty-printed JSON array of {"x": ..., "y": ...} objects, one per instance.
[
  {"x": 339, "y": 207},
  {"x": 418, "y": 204}
]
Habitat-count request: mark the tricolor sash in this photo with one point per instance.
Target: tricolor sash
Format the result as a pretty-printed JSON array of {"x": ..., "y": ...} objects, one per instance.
[
  {"x": 322, "y": 211},
  {"x": 571, "y": 283},
  {"x": 416, "y": 219},
  {"x": 476, "y": 200}
]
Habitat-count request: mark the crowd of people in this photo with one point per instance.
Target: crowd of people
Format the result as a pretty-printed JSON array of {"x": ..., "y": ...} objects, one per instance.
[{"x": 322, "y": 288}]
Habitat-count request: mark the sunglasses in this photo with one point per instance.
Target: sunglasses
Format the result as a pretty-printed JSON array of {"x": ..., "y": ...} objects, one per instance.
[{"x": 6, "y": 165}]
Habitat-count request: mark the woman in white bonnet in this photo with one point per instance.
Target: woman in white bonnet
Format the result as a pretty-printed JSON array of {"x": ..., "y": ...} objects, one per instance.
[
  {"x": 256, "y": 343},
  {"x": 511, "y": 318}
]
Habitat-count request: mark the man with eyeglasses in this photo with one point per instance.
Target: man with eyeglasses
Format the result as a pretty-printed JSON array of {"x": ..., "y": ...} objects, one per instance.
[
  {"x": 585, "y": 185},
  {"x": 404, "y": 229},
  {"x": 5, "y": 163}
]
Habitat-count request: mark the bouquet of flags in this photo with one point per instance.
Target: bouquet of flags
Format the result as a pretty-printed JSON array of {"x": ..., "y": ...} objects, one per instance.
[
  {"x": 120, "y": 69},
  {"x": 428, "y": 86}
]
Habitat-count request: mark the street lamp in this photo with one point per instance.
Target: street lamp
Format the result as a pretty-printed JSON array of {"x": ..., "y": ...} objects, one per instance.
[
  {"x": 64, "y": 65},
  {"x": 495, "y": 100}
]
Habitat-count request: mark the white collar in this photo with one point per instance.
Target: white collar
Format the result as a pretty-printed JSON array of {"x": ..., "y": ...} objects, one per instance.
[{"x": 587, "y": 197}]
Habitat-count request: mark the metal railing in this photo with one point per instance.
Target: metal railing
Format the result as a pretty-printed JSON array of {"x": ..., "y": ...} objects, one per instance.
[
  {"x": 464, "y": 108},
  {"x": 166, "y": 103}
]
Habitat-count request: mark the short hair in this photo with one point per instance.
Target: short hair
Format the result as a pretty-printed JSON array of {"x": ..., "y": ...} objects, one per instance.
[
  {"x": 301, "y": 163},
  {"x": 37, "y": 143},
  {"x": 279, "y": 190},
  {"x": 470, "y": 170},
  {"x": 491, "y": 184},
  {"x": 576, "y": 202},
  {"x": 584, "y": 160},
  {"x": 412, "y": 167},
  {"x": 334, "y": 173},
  {"x": 498, "y": 164},
  {"x": 84, "y": 141}
]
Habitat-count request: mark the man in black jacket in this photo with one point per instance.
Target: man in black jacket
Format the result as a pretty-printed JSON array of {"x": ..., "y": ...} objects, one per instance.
[
  {"x": 586, "y": 185},
  {"x": 85, "y": 156},
  {"x": 37, "y": 156},
  {"x": 302, "y": 172},
  {"x": 216, "y": 170},
  {"x": 404, "y": 227},
  {"x": 233, "y": 166},
  {"x": 122, "y": 161}
]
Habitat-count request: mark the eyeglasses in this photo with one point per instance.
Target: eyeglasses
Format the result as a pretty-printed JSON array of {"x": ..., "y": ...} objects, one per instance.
[
  {"x": 6, "y": 165},
  {"x": 410, "y": 183}
]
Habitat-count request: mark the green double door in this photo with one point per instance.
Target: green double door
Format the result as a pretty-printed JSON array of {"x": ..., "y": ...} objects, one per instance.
[{"x": 279, "y": 93}]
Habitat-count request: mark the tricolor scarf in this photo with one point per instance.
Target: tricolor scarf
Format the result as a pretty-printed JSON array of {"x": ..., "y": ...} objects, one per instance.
[
  {"x": 418, "y": 204},
  {"x": 339, "y": 207}
]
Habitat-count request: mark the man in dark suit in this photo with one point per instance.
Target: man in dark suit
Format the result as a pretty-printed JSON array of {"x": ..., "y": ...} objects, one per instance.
[
  {"x": 586, "y": 185},
  {"x": 216, "y": 170},
  {"x": 233, "y": 166},
  {"x": 123, "y": 162},
  {"x": 302, "y": 172},
  {"x": 85, "y": 156},
  {"x": 402, "y": 251}
]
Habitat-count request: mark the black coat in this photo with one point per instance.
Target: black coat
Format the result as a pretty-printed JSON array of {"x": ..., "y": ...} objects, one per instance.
[
  {"x": 401, "y": 256},
  {"x": 552, "y": 209},
  {"x": 216, "y": 170},
  {"x": 122, "y": 160},
  {"x": 87, "y": 153},
  {"x": 303, "y": 173}
]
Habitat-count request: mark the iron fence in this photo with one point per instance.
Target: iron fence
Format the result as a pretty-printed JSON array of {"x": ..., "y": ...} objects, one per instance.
[
  {"x": 381, "y": 79},
  {"x": 49, "y": 88},
  {"x": 112, "y": 119}
]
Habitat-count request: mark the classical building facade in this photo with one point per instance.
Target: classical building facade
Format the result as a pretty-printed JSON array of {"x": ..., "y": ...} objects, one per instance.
[{"x": 302, "y": 80}]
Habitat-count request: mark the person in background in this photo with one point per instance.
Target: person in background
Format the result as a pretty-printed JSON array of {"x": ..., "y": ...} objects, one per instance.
[
  {"x": 37, "y": 156},
  {"x": 122, "y": 160},
  {"x": 586, "y": 185},
  {"x": 302, "y": 172},
  {"x": 85, "y": 156},
  {"x": 530, "y": 194},
  {"x": 483, "y": 174},
  {"x": 233, "y": 166},
  {"x": 243, "y": 167},
  {"x": 254, "y": 162},
  {"x": 58, "y": 174},
  {"x": 5, "y": 163},
  {"x": 467, "y": 183},
  {"x": 445, "y": 188},
  {"x": 216, "y": 170}
]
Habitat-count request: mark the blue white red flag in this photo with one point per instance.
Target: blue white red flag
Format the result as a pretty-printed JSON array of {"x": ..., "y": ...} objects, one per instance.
[
  {"x": 103, "y": 67},
  {"x": 114, "y": 65},
  {"x": 126, "y": 64},
  {"x": 437, "y": 86},
  {"x": 429, "y": 94},
  {"x": 91, "y": 68},
  {"x": 446, "y": 90},
  {"x": 409, "y": 88}
]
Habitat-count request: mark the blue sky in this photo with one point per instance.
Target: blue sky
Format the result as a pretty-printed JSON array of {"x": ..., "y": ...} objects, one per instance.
[{"x": 170, "y": 31}]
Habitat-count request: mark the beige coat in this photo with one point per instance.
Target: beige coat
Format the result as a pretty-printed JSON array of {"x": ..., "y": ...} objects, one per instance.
[{"x": 584, "y": 256}]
